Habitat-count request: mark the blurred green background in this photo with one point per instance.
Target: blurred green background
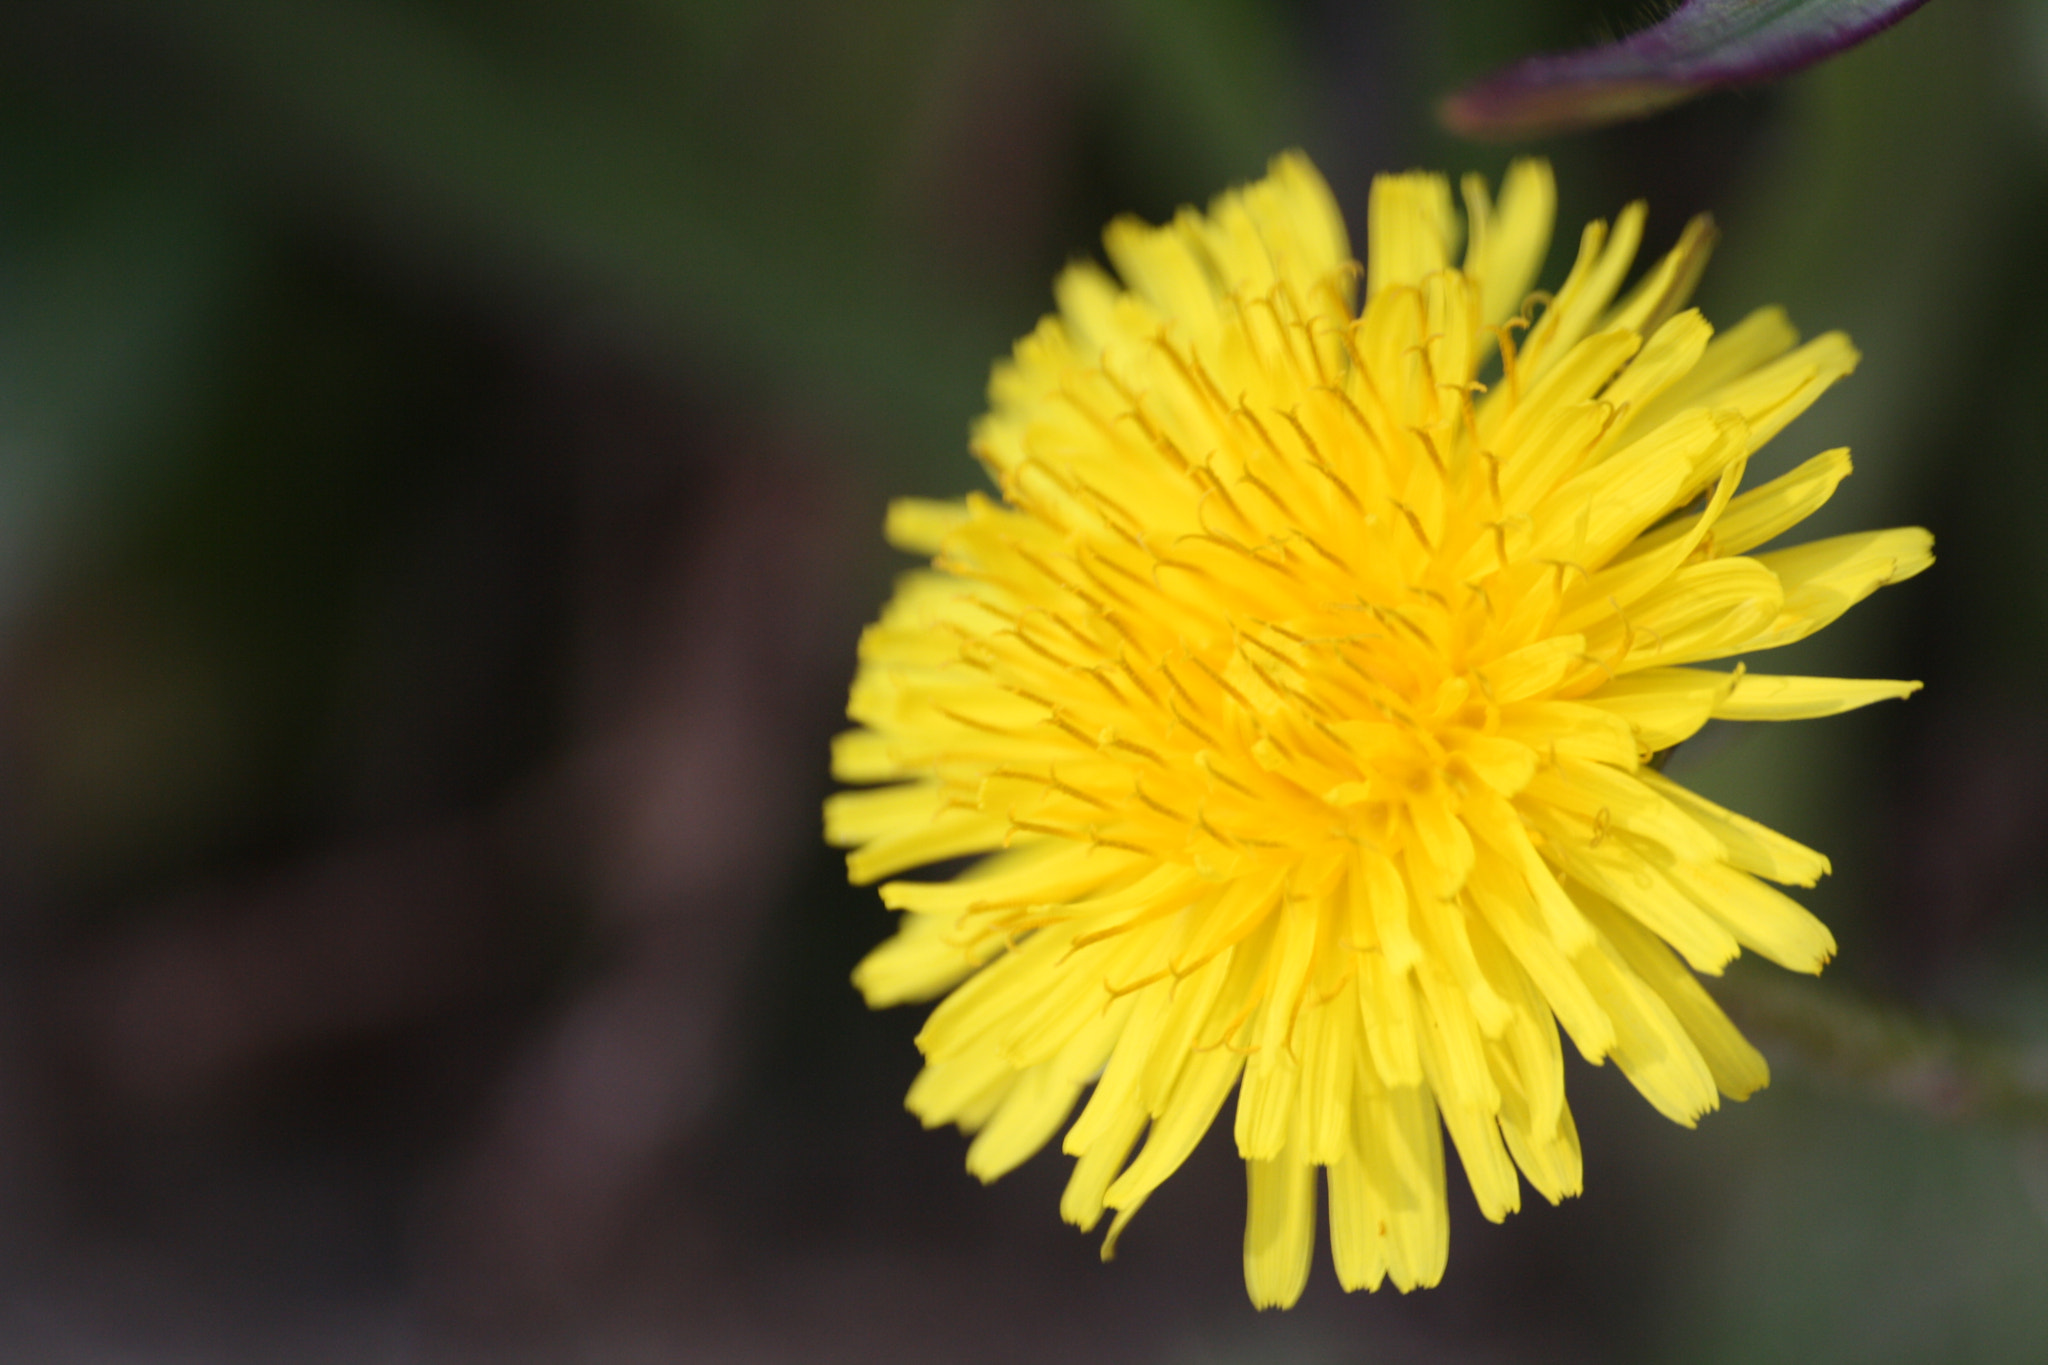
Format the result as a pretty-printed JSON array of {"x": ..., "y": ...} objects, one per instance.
[{"x": 442, "y": 452}]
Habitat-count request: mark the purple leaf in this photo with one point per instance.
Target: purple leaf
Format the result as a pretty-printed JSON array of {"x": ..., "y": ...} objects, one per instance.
[{"x": 1700, "y": 46}]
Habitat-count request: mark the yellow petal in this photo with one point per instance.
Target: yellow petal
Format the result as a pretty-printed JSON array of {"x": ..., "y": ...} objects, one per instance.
[
  {"x": 1652, "y": 1048},
  {"x": 1410, "y": 230},
  {"x": 1603, "y": 260},
  {"x": 1766, "y": 511},
  {"x": 1703, "y": 611},
  {"x": 1666, "y": 286},
  {"x": 1029, "y": 1114},
  {"x": 1746, "y": 844},
  {"x": 1507, "y": 244},
  {"x": 1825, "y": 578},
  {"x": 1763, "y": 696},
  {"x": 920, "y": 525},
  {"x": 1759, "y": 338},
  {"x": 1279, "y": 1230},
  {"x": 926, "y": 956},
  {"x": 1738, "y": 1069},
  {"x": 1664, "y": 706},
  {"x": 1081, "y": 1204}
]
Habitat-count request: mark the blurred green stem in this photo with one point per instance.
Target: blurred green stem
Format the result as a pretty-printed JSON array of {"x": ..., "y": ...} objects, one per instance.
[{"x": 1891, "y": 1052}]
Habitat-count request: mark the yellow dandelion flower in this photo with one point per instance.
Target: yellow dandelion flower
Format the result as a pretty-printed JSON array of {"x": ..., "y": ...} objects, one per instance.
[{"x": 1300, "y": 702}]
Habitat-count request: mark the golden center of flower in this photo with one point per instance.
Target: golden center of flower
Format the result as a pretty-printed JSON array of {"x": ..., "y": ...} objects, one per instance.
[{"x": 1343, "y": 701}]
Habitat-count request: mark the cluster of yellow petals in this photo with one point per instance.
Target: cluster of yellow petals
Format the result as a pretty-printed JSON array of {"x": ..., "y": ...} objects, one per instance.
[{"x": 1302, "y": 692}]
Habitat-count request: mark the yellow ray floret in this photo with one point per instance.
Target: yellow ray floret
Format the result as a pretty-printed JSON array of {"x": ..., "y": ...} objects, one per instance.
[{"x": 1298, "y": 700}]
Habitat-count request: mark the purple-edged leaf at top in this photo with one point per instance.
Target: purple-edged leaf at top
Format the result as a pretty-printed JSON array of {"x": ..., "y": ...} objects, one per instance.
[{"x": 1702, "y": 45}]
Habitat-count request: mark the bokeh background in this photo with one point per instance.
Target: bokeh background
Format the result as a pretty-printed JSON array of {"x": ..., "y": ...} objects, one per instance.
[{"x": 443, "y": 446}]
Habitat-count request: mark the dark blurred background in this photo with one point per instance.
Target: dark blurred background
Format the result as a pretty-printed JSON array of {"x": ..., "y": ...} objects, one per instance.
[{"x": 443, "y": 446}]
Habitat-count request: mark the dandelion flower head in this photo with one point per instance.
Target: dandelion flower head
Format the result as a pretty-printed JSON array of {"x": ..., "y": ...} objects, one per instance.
[{"x": 1298, "y": 706}]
